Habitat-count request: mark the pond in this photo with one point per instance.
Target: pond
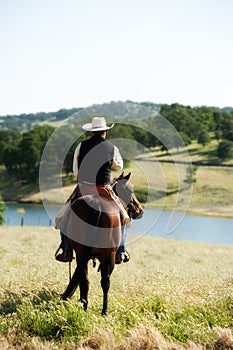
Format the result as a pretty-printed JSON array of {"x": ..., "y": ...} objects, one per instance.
[{"x": 154, "y": 223}]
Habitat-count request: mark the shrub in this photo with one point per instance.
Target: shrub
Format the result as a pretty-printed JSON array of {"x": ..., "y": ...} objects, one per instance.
[{"x": 2, "y": 210}]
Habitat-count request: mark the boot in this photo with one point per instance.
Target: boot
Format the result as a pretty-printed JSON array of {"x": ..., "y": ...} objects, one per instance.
[
  {"x": 65, "y": 256},
  {"x": 122, "y": 257}
]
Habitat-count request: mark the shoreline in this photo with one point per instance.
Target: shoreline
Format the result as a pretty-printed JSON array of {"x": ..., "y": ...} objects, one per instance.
[{"x": 192, "y": 212}]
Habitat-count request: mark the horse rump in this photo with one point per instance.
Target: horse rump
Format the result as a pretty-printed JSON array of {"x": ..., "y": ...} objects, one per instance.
[{"x": 93, "y": 221}]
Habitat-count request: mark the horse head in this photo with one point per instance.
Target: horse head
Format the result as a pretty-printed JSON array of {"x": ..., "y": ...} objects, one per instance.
[{"x": 124, "y": 191}]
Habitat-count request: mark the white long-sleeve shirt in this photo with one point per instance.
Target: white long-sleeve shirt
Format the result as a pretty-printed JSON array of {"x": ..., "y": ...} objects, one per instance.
[{"x": 117, "y": 163}]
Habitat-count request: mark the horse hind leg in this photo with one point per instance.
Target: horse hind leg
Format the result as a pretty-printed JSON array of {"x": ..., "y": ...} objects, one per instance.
[
  {"x": 79, "y": 278},
  {"x": 84, "y": 286},
  {"x": 107, "y": 267},
  {"x": 74, "y": 282}
]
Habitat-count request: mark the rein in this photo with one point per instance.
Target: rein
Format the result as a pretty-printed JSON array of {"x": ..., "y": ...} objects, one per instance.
[{"x": 70, "y": 270}]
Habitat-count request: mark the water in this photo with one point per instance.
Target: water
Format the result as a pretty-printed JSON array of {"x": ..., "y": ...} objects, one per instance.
[
  {"x": 154, "y": 222},
  {"x": 29, "y": 214},
  {"x": 192, "y": 228}
]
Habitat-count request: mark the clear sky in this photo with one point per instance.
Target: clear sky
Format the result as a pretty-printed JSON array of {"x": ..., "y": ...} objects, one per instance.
[{"x": 74, "y": 53}]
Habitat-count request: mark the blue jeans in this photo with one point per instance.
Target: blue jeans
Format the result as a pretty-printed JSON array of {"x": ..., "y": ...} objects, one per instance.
[
  {"x": 65, "y": 245},
  {"x": 120, "y": 250}
]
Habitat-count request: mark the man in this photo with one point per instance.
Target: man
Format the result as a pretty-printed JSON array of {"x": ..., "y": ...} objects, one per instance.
[{"x": 92, "y": 164}]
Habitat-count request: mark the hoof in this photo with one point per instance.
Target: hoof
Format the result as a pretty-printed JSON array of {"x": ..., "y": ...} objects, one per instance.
[
  {"x": 85, "y": 303},
  {"x": 63, "y": 297}
]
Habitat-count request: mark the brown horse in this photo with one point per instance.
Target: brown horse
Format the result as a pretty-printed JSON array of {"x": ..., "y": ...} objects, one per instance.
[{"x": 95, "y": 232}]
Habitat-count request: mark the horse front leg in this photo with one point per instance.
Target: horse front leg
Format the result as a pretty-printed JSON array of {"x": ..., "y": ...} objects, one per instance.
[{"x": 107, "y": 267}]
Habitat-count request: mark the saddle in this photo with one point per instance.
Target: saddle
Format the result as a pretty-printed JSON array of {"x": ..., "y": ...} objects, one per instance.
[{"x": 106, "y": 191}]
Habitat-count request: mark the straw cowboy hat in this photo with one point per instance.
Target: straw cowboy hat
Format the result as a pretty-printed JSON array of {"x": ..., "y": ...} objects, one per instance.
[{"x": 97, "y": 124}]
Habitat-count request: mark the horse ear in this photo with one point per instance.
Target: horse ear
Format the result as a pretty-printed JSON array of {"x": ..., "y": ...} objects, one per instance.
[
  {"x": 127, "y": 176},
  {"x": 122, "y": 175}
]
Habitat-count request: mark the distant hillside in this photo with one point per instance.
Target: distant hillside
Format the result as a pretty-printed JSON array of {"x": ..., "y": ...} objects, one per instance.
[
  {"x": 226, "y": 109},
  {"x": 113, "y": 110},
  {"x": 118, "y": 111},
  {"x": 27, "y": 121}
]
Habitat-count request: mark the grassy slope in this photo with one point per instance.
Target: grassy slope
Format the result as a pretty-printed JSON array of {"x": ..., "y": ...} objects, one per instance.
[
  {"x": 172, "y": 295},
  {"x": 212, "y": 186}
]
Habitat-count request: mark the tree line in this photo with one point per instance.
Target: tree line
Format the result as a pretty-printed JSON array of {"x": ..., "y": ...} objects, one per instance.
[
  {"x": 25, "y": 121},
  {"x": 21, "y": 152},
  {"x": 202, "y": 123}
]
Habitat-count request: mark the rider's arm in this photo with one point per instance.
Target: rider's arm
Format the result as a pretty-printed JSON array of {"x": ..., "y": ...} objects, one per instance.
[
  {"x": 117, "y": 163},
  {"x": 75, "y": 160}
]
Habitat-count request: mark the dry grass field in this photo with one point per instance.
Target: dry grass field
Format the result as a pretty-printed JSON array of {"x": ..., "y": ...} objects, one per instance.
[{"x": 171, "y": 295}]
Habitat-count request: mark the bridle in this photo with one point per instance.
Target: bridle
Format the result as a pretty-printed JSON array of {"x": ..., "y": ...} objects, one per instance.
[{"x": 126, "y": 194}]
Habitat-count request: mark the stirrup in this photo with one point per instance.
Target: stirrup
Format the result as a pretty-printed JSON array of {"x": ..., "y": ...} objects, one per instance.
[
  {"x": 57, "y": 251},
  {"x": 126, "y": 256},
  {"x": 122, "y": 257}
]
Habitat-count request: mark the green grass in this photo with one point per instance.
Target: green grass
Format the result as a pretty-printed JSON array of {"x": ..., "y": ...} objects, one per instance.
[{"x": 171, "y": 295}]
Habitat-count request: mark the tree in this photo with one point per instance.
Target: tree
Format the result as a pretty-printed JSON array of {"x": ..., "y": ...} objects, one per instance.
[
  {"x": 22, "y": 156},
  {"x": 12, "y": 160},
  {"x": 8, "y": 138},
  {"x": 2, "y": 210},
  {"x": 203, "y": 137},
  {"x": 30, "y": 156},
  {"x": 206, "y": 117},
  {"x": 225, "y": 150},
  {"x": 227, "y": 126},
  {"x": 122, "y": 136},
  {"x": 183, "y": 118},
  {"x": 224, "y": 125},
  {"x": 31, "y": 148}
]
